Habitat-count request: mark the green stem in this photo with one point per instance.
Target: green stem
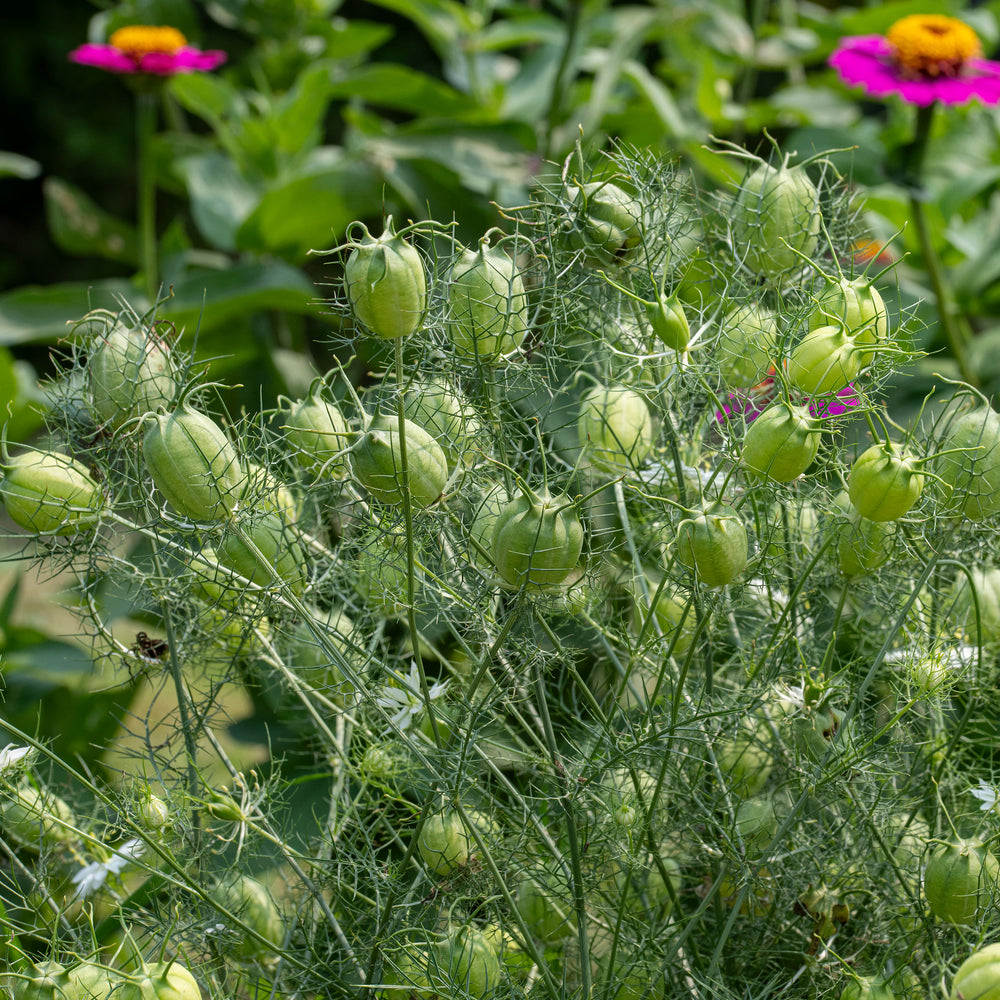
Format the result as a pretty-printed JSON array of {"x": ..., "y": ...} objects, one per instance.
[
  {"x": 145, "y": 106},
  {"x": 956, "y": 337},
  {"x": 574, "y": 18}
]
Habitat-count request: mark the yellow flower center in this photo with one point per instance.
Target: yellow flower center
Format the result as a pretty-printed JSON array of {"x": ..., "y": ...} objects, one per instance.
[
  {"x": 138, "y": 40},
  {"x": 932, "y": 44}
]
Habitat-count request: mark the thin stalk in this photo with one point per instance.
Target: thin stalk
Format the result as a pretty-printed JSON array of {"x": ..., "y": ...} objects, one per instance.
[
  {"x": 946, "y": 307},
  {"x": 145, "y": 107},
  {"x": 411, "y": 576}
]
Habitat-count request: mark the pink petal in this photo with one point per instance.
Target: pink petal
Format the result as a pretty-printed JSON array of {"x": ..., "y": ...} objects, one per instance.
[
  {"x": 105, "y": 57},
  {"x": 184, "y": 60}
]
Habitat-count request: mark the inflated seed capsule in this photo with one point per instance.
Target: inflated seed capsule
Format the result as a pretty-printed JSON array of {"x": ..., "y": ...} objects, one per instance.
[
  {"x": 193, "y": 464},
  {"x": 386, "y": 283},
  {"x": 317, "y": 432},
  {"x": 45, "y": 491},
  {"x": 487, "y": 304},
  {"x": 266, "y": 552},
  {"x": 377, "y": 458},
  {"x": 129, "y": 372}
]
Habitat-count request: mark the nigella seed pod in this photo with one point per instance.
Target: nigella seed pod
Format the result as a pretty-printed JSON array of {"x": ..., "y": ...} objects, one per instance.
[
  {"x": 825, "y": 360},
  {"x": 487, "y": 304},
  {"x": 857, "y": 306},
  {"x": 45, "y": 491},
  {"x": 609, "y": 218},
  {"x": 317, "y": 432},
  {"x": 615, "y": 428},
  {"x": 968, "y": 463},
  {"x": 160, "y": 981},
  {"x": 32, "y": 817},
  {"x": 193, "y": 464},
  {"x": 44, "y": 981},
  {"x": 386, "y": 284},
  {"x": 266, "y": 553},
  {"x": 250, "y": 901},
  {"x": 377, "y": 459},
  {"x": 714, "y": 544},
  {"x": 446, "y": 415},
  {"x": 776, "y": 217},
  {"x": 884, "y": 484},
  {"x": 669, "y": 321},
  {"x": 129, "y": 372},
  {"x": 781, "y": 443},
  {"x": 537, "y": 541}
]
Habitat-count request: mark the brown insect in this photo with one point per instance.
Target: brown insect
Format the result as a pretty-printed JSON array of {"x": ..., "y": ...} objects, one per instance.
[{"x": 150, "y": 649}]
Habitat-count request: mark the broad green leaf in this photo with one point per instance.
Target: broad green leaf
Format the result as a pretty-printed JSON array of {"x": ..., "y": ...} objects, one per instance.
[
  {"x": 221, "y": 198},
  {"x": 964, "y": 190},
  {"x": 212, "y": 298},
  {"x": 403, "y": 89},
  {"x": 353, "y": 40},
  {"x": 15, "y": 165},
  {"x": 311, "y": 212},
  {"x": 443, "y": 22},
  {"x": 79, "y": 226},
  {"x": 299, "y": 114},
  {"x": 209, "y": 96},
  {"x": 40, "y": 313},
  {"x": 534, "y": 29},
  {"x": 484, "y": 158},
  {"x": 660, "y": 100}
]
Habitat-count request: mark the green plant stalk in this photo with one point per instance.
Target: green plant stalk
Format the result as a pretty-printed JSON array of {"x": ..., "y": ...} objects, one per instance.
[
  {"x": 946, "y": 307},
  {"x": 145, "y": 107}
]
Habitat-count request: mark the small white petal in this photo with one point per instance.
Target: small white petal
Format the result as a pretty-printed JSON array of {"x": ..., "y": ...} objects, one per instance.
[{"x": 11, "y": 756}]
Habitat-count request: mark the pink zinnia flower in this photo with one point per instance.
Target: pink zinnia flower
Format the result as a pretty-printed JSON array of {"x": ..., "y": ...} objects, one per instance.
[
  {"x": 923, "y": 58},
  {"x": 140, "y": 48}
]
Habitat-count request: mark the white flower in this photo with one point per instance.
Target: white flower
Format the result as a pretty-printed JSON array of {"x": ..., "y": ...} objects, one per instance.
[
  {"x": 11, "y": 756},
  {"x": 407, "y": 701},
  {"x": 987, "y": 795},
  {"x": 91, "y": 877}
]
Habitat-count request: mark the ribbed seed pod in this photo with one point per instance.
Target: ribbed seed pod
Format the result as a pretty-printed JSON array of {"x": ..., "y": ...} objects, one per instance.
[
  {"x": 193, "y": 464},
  {"x": 44, "y": 491}
]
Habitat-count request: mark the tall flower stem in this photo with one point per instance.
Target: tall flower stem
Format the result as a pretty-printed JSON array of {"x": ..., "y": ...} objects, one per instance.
[
  {"x": 146, "y": 107},
  {"x": 947, "y": 309}
]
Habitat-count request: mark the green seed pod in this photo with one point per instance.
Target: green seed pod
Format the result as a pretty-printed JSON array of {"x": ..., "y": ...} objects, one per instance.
[
  {"x": 609, "y": 220},
  {"x": 35, "y": 817},
  {"x": 748, "y": 344},
  {"x": 537, "y": 541},
  {"x": 193, "y": 464},
  {"x": 313, "y": 664},
  {"x": 815, "y": 730},
  {"x": 44, "y": 981},
  {"x": 386, "y": 284},
  {"x": 714, "y": 544},
  {"x": 782, "y": 442},
  {"x": 978, "y": 977},
  {"x": 867, "y": 988},
  {"x": 756, "y": 824},
  {"x": 960, "y": 880},
  {"x": 676, "y": 623},
  {"x": 472, "y": 962},
  {"x": 316, "y": 431},
  {"x": 129, "y": 372},
  {"x": 92, "y": 981},
  {"x": 379, "y": 574},
  {"x": 446, "y": 842},
  {"x": 279, "y": 558},
  {"x": 152, "y": 812},
  {"x": 970, "y": 475},
  {"x": 249, "y": 900},
  {"x": 407, "y": 973},
  {"x": 448, "y": 417},
  {"x": 825, "y": 360},
  {"x": 44, "y": 491},
  {"x": 652, "y": 883},
  {"x": 378, "y": 463},
  {"x": 668, "y": 321},
  {"x": 615, "y": 428},
  {"x": 487, "y": 305},
  {"x": 884, "y": 484},
  {"x": 485, "y": 514},
  {"x": 546, "y": 911},
  {"x": 862, "y": 545},
  {"x": 160, "y": 981},
  {"x": 266, "y": 493},
  {"x": 857, "y": 306},
  {"x": 776, "y": 216},
  {"x": 986, "y": 581},
  {"x": 746, "y": 760}
]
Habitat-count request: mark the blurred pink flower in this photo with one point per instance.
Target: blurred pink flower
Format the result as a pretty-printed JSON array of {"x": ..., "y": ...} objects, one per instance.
[
  {"x": 139, "y": 48},
  {"x": 923, "y": 58}
]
